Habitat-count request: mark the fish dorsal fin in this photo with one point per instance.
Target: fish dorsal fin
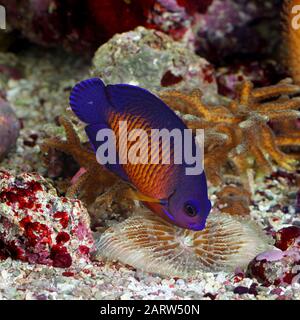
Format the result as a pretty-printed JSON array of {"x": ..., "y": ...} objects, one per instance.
[
  {"x": 141, "y": 102},
  {"x": 89, "y": 102}
]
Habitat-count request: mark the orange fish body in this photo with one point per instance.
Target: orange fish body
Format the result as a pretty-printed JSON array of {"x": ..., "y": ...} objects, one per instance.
[{"x": 153, "y": 180}]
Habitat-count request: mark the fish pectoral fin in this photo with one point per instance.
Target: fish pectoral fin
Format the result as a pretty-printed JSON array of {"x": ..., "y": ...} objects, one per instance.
[{"x": 136, "y": 195}]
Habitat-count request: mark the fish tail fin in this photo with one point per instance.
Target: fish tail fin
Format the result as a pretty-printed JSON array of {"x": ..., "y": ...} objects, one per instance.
[{"x": 88, "y": 101}]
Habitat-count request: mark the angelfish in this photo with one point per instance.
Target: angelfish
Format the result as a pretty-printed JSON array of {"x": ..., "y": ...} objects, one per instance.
[{"x": 166, "y": 189}]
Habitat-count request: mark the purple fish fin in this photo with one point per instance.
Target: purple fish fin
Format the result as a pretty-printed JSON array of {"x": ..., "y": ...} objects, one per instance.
[
  {"x": 140, "y": 102},
  {"x": 88, "y": 101},
  {"x": 92, "y": 131}
]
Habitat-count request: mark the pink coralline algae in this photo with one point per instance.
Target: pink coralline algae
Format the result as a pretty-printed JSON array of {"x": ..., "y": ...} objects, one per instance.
[
  {"x": 37, "y": 226},
  {"x": 9, "y": 128},
  {"x": 280, "y": 266},
  {"x": 238, "y": 27},
  {"x": 78, "y": 24},
  {"x": 260, "y": 73}
]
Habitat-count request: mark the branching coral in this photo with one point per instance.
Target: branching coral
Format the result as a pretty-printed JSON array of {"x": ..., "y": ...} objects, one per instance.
[
  {"x": 234, "y": 200},
  {"x": 288, "y": 137},
  {"x": 290, "y": 56},
  {"x": 95, "y": 177},
  {"x": 238, "y": 132},
  {"x": 147, "y": 242}
]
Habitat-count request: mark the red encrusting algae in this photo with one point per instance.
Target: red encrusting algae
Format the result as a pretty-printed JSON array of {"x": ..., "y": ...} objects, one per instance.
[
  {"x": 37, "y": 226},
  {"x": 60, "y": 257},
  {"x": 286, "y": 237},
  {"x": 62, "y": 217},
  {"x": 280, "y": 266},
  {"x": 24, "y": 196},
  {"x": 62, "y": 237}
]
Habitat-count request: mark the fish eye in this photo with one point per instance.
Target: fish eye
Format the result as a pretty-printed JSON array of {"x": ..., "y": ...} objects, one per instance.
[{"x": 190, "y": 209}]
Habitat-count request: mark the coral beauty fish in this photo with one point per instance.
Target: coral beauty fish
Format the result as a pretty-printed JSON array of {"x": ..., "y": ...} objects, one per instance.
[{"x": 165, "y": 189}]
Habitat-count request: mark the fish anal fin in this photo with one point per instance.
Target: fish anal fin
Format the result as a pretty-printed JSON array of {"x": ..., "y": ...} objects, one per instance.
[{"x": 136, "y": 195}]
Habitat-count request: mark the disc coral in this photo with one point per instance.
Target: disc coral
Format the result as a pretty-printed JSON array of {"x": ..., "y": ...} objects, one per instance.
[{"x": 147, "y": 242}]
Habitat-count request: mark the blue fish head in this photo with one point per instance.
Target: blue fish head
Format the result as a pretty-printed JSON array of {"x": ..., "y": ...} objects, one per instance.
[{"x": 188, "y": 207}]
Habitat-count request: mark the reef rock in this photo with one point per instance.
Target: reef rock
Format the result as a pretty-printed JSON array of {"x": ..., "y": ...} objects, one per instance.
[
  {"x": 37, "y": 226},
  {"x": 260, "y": 73},
  {"x": 10, "y": 68},
  {"x": 147, "y": 242},
  {"x": 238, "y": 27},
  {"x": 83, "y": 25},
  {"x": 9, "y": 128},
  {"x": 152, "y": 60},
  {"x": 280, "y": 266}
]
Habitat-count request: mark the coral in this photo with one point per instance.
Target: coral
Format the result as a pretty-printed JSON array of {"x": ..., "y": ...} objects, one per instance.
[
  {"x": 291, "y": 35},
  {"x": 94, "y": 177},
  {"x": 234, "y": 200},
  {"x": 9, "y": 128},
  {"x": 147, "y": 242},
  {"x": 290, "y": 56},
  {"x": 288, "y": 136},
  {"x": 37, "y": 226},
  {"x": 238, "y": 132},
  {"x": 153, "y": 60},
  {"x": 276, "y": 266}
]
